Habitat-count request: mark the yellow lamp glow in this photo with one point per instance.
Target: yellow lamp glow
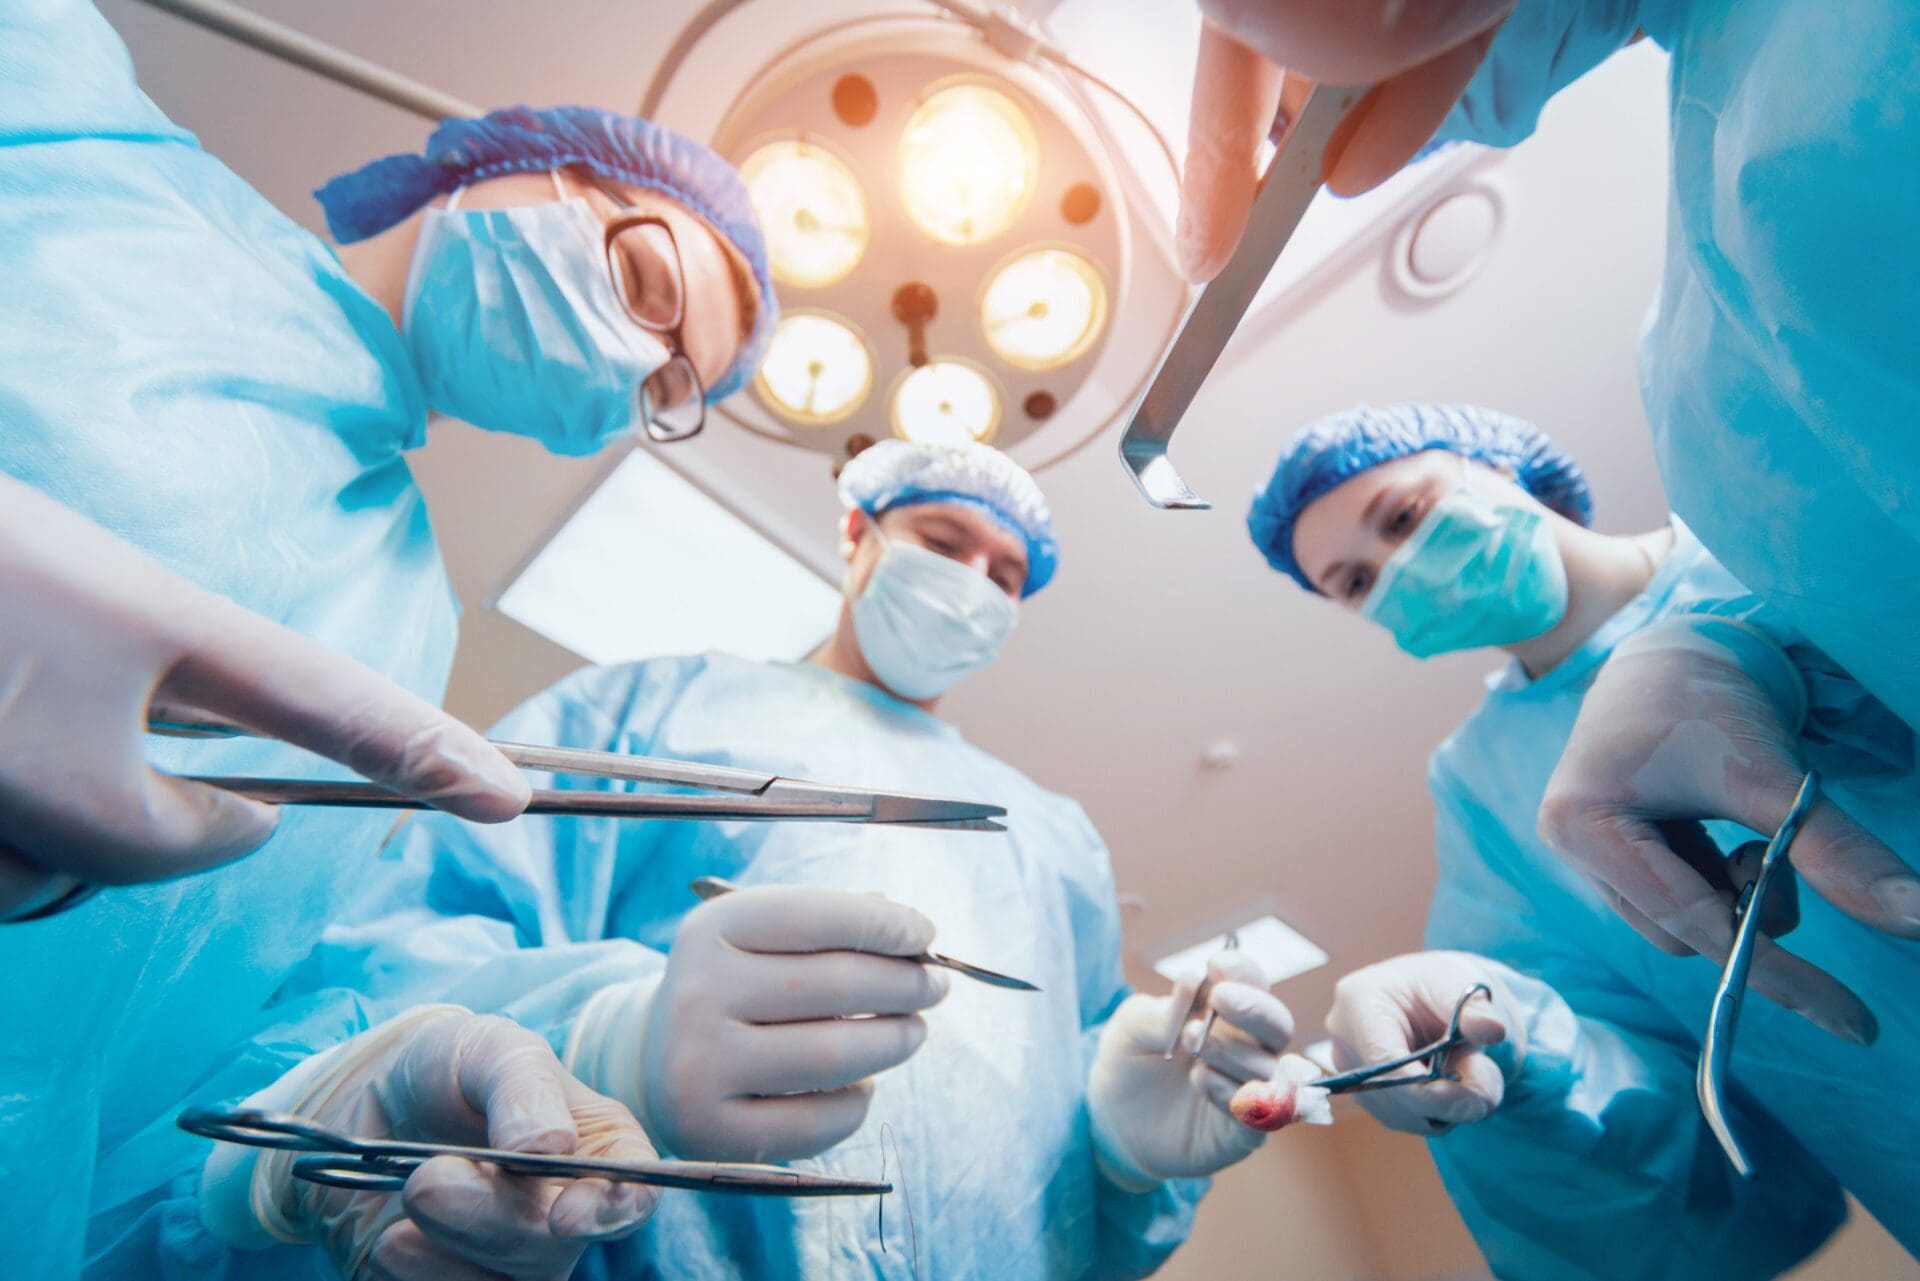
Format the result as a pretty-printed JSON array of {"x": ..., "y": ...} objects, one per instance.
[
  {"x": 1043, "y": 309},
  {"x": 968, "y": 163},
  {"x": 812, "y": 210},
  {"x": 817, "y": 370},
  {"x": 946, "y": 402}
]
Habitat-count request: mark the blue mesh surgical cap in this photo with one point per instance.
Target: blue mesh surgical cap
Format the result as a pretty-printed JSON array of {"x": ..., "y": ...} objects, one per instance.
[
  {"x": 899, "y": 473},
  {"x": 1334, "y": 450},
  {"x": 623, "y": 149}
]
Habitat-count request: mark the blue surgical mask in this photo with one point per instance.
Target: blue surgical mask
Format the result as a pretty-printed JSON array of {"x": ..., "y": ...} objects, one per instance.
[
  {"x": 1476, "y": 572},
  {"x": 924, "y": 621},
  {"x": 513, "y": 324}
]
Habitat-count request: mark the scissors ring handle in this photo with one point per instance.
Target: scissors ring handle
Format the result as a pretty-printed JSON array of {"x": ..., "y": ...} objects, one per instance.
[{"x": 357, "y": 1173}]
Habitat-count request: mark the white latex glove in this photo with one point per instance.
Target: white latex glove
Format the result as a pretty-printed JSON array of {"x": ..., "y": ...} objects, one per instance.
[
  {"x": 1156, "y": 1119},
  {"x": 1698, "y": 720},
  {"x": 1393, "y": 1007},
  {"x": 779, "y": 1002},
  {"x": 93, "y": 633},
  {"x": 444, "y": 1075}
]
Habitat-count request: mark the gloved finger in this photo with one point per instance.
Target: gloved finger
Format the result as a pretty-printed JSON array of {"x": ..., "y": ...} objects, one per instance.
[
  {"x": 151, "y": 827},
  {"x": 1645, "y": 928},
  {"x": 785, "y": 1128},
  {"x": 405, "y": 1253},
  {"x": 510, "y": 1077},
  {"x": 1161, "y": 1021},
  {"x": 1354, "y": 42},
  {"x": 271, "y": 679},
  {"x": 26, "y": 887},
  {"x": 803, "y": 918},
  {"x": 787, "y": 1058},
  {"x": 593, "y": 1208},
  {"x": 1398, "y": 117},
  {"x": 1850, "y": 868},
  {"x": 1254, "y": 1010},
  {"x": 487, "y": 1216},
  {"x": 1235, "y": 94},
  {"x": 1230, "y": 1052},
  {"x": 1218, "y": 1087},
  {"x": 828, "y": 985}
]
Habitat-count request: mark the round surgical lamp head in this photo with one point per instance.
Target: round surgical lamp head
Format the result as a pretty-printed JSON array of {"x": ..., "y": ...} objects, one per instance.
[
  {"x": 817, "y": 370},
  {"x": 812, "y": 210},
  {"x": 1043, "y": 308},
  {"x": 968, "y": 163},
  {"x": 946, "y": 402}
]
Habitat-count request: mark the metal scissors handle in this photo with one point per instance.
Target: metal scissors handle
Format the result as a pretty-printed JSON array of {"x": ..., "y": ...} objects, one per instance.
[
  {"x": 383, "y": 1165},
  {"x": 1716, "y": 1050},
  {"x": 1292, "y": 180},
  {"x": 1434, "y": 1055}
]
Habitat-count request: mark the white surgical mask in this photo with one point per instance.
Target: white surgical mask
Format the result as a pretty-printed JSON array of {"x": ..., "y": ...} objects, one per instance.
[{"x": 924, "y": 621}]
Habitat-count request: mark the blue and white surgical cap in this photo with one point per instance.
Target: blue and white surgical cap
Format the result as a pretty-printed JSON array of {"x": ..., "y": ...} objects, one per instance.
[
  {"x": 899, "y": 473},
  {"x": 617, "y": 148},
  {"x": 1334, "y": 450}
]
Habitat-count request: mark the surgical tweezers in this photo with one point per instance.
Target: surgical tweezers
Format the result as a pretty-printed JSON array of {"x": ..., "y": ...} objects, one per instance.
[
  {"x": 712, "y": 887},
  {"x": 1374, "y": 1076},
  {"x": 749, "y": 795},
  {"x": 1716, "y": 1051},
  {"x": 1228, "y": 944},
  {"x": 382, "y": 1165},
  {"x": 1292, "y": 180}
]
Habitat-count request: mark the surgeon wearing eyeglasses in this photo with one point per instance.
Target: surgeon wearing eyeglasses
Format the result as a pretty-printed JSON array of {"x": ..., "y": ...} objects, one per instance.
[
  {"x": 1571, "y": 1142},
  {"x": 207, "y": 505}
]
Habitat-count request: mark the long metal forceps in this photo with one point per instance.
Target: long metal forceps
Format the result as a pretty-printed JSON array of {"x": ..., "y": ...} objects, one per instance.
[
  {"x": 1375, "y": 1076},
  {"x": 382, "y": 1165},
  {"x": 1716, "y": 1051},
  {"x": 745, "y": 795},
  {"x": 1291, "y": 182}
]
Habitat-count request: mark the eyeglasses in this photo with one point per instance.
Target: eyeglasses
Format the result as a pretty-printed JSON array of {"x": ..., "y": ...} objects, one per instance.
[{"x": 651, "y": 284}]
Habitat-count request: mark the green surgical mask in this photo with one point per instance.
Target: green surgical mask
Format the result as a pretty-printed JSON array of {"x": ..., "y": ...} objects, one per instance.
[{"x": 1476, "y": 572}]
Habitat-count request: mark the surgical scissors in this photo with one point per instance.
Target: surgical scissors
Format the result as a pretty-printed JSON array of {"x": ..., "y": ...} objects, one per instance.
[
  {"x": 1716, "y": 1050},
  {"x": 382, "y": 1165},
  {"x": 1374, "y": 1075},
  {"x": 748, "y": 795},
  {"x": 712, "y": 887}
]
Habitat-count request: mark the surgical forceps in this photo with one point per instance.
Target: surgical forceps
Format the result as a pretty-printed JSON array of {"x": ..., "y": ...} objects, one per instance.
[
  {"x": 748, "y": 795},
  {"x": 382, "y": 1165},
  {"x": 1716, "y": 1051},
  {"x": 1228, "y": 944},
  {"x": 1434, "y": 1054},
  {"x": 1291, "y": 182},
  {"x": 712, "y": 887}
]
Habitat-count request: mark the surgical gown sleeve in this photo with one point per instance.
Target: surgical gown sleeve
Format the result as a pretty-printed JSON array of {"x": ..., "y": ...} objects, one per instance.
[{"x": 1598, "y": 1164}]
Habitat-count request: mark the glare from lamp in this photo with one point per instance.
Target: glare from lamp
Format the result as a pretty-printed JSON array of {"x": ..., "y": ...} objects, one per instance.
[
  {"x": 817, "y": 369},
  {"x": 968, "y": 163},
  {"x": 812, "y": 209},
  {"x": 946, "y": 402},
  {"x": 1043, "y": 309}
]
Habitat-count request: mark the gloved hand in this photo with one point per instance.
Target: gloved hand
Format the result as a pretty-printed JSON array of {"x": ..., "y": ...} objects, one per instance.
[
  {"x": 1394, "y": 1007},
  {"x": 1694, "y": 719},
  {"x": 93, "y": 633},
  {"x": 1156, "y": 1119},
  {"x": 441, "y": 1074},
  {"x": 756, "y": 1047},
  {"x": 1419, "y": 57}
]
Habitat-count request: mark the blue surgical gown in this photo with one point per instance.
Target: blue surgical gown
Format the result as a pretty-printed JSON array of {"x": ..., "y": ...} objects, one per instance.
[
  {"x": 995, "y": 1159},
  {"x": 187, "y": 367},
  {"x": 1598, "y": 1165},
  {"x": 1780, "y": 367}
]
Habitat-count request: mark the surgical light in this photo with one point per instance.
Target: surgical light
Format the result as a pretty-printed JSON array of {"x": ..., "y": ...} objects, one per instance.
[
  {"x": 817, "y": 369},
  {"x": 946, "y": 402},
  {"x": 968, "y": 162},
  {"x": 812, "y": 209},
  {"x": 1043, "y": 309}
]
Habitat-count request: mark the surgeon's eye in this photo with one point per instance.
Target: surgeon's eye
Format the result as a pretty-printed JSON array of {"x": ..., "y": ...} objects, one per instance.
[
  {"x": 1404, "y": 520},
  {"x": 1357, "y": 584}
]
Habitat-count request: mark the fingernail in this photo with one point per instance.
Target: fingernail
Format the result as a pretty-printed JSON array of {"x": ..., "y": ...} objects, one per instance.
[
  {"x": 1857, "y": 1026},
  {"x": 1899, "y": 897}
]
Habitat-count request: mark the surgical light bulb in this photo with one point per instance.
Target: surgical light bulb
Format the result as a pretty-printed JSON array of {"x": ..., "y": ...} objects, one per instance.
[
  {"x": 946, "y": 402},
  {"x": 812, "y": 209},
  {"x": 817, "y": 369},
  {"x": 1043, "y": 309},
  {"x": 968, "y": 163}
]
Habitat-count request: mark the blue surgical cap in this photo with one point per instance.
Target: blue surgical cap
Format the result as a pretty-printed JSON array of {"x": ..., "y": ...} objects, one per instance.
[
  {"x": 624, "y": 149},
  {"x": 1334, "y": 450},
  {"x": 899, "y": 473}
]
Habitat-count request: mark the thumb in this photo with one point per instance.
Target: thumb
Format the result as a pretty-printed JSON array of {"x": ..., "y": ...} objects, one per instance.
[
  {"x": 1235, "y": 95},
  {"x": 1482, "y": 1022},
  {"x": 188, "y": 827},
  {"x": 511, "y": 1077}
]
